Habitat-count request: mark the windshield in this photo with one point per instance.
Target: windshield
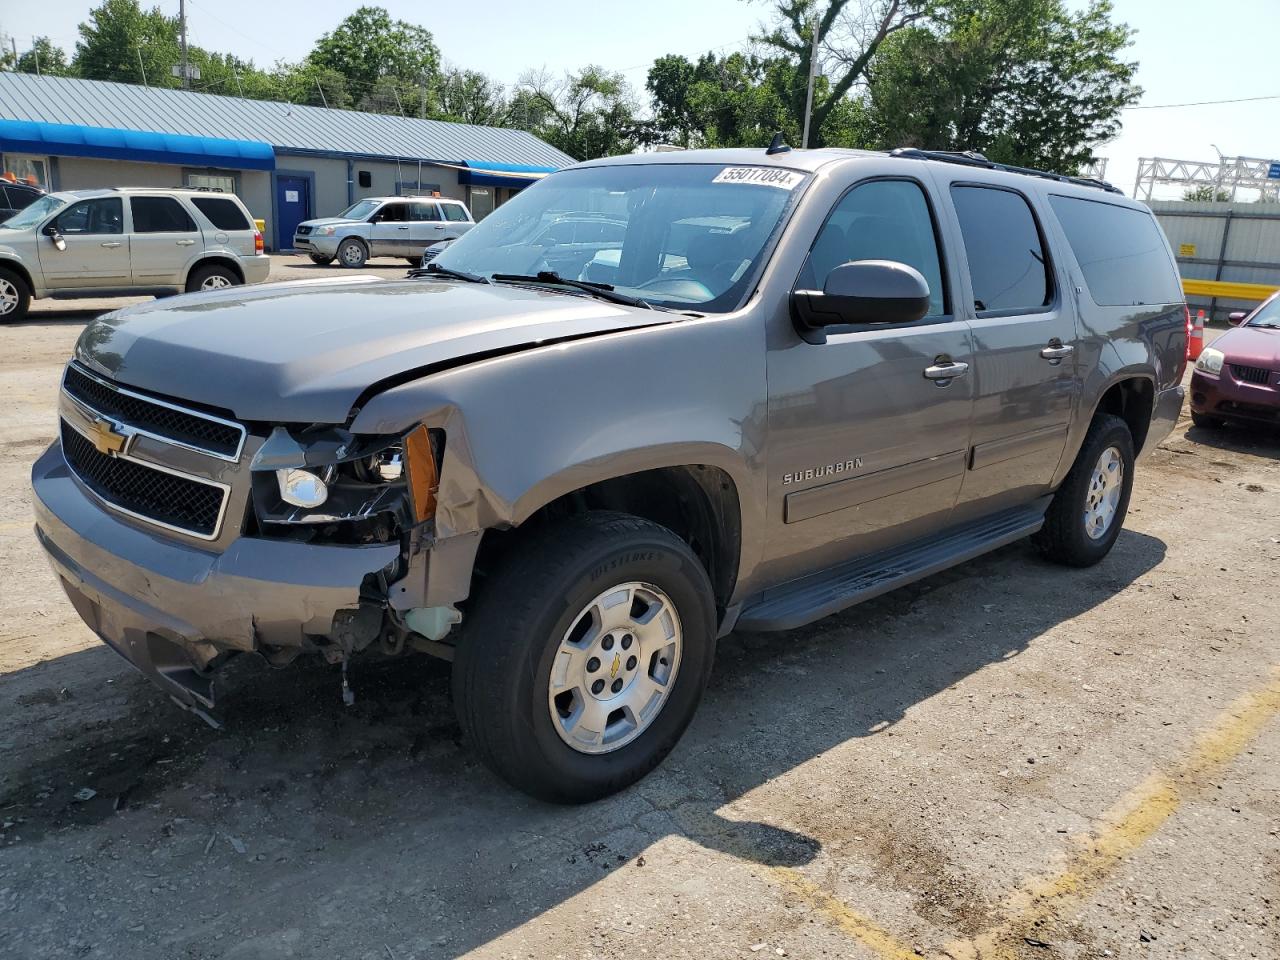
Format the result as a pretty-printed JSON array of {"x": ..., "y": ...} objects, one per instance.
[
  {"x": 34, "y": 213},
  {"x": 360, "y": 210},
  {"x": 677, "y": 235},
  {"x": 1268, "y": 315}
]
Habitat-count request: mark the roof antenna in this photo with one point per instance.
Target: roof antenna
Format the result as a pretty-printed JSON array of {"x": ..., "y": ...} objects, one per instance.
[{"x": 777, "y": 145}]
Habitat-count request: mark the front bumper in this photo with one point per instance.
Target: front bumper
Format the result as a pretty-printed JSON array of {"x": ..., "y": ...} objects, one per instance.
[
  {"x": 167, "y": 606},
  {"x": 323, "y": 246},
  {"x": 1224, "y": 396}
]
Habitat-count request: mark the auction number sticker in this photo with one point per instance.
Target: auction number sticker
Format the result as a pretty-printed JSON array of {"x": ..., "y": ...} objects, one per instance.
[{"x": 760, "y": 176}]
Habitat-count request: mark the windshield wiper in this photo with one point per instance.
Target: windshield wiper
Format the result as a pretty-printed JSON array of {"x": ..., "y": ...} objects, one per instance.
[
  {"x": 434, "y": 269},
  {"x": 1268, "y": 325},
  {"x": 604, "y": 291}
]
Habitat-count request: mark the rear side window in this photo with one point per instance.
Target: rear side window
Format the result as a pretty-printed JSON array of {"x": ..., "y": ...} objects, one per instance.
[
  {"x": 160, "y": 215},
  {"x": 1007, "y": 263},
  {"x": 421, "y": 212},
  {"x": 454, "y": 212},
  {"x": 222, "y": 213},
  {"x": 1121, "y": 252}
]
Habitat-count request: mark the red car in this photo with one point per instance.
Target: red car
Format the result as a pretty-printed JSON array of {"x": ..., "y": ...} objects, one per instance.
[{"x": 1238, "y": 378}]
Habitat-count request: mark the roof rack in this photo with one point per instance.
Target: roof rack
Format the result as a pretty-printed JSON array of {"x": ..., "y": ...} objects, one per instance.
[{"x": 971, "y": 158}]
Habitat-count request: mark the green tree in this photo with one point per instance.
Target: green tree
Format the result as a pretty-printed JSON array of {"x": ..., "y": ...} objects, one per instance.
[
  {"x": 849, "y": 37},
  {"x": 1207, "y": 194},
  {"x": 1027, "y": 82},
  {"x": 44, "y": 58},
  {"x": 120, "y": 41},
  {"x": 735, "y": 100},
  {"x": 368, "y": 47},
  {"x": 468, "y": 96},
  {"x": 587, "y": 114}
]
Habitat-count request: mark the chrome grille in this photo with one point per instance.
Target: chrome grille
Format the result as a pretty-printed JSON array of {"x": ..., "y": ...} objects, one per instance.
[
  {"x": 1245, "y": 374},
  {"x": 153, "y": 417},
  {"x": 147, "y": 492},
  {"x": 303, "y": 231}
]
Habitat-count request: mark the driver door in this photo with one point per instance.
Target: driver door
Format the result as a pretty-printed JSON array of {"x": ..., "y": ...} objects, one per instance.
[
  {"x": 97, "y": 253},
  {"x": 865, "y": 449},
  {"x": 389, "y": 234}
]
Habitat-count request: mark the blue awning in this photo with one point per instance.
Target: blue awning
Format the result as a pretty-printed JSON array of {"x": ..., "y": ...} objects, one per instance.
[
  {"x": 109, "y": 143},
  {"x": 481, "y": 173}
]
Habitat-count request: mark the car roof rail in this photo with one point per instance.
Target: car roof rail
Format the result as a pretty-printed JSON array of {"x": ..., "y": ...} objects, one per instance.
[{"x": 972, "y": 158}]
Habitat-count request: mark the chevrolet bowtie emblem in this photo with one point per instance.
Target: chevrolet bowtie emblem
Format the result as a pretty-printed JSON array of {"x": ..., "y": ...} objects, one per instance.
[{"x": 107, "y": 439}]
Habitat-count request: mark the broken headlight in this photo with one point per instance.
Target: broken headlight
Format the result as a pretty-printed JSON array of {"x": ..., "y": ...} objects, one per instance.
[{"x": 326, "y": 483}]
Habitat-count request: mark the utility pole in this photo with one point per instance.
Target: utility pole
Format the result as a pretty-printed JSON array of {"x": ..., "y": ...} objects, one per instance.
[
  {"x": 35, "y": 51},
  {"x": 182, "y": 21},
  {"x": 813, "y": 73},
  {"x": 141, "y": 68},
  {"x": 14, "y": 40},
  {"x": 422, "y": 104}
]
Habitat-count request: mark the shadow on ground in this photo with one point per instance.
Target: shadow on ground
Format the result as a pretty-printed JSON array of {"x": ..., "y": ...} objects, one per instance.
[{"x": 301, "y": 813}]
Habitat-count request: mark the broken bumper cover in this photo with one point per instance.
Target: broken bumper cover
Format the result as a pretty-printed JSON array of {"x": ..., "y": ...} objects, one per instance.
[
  {"x": 1164, "y": 416},
  {"x": 161, "y": 603}
]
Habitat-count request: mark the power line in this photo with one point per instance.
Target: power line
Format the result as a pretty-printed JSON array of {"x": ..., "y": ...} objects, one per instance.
[{"x": 1202, "y": 103}]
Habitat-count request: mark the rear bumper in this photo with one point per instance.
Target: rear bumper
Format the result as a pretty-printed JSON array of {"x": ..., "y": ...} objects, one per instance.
[
  {"x": 255, "y": 268},
  {"x": 1222, "y": 396},
  {"x": 1168, "y": 407},
  {"x": 168, "y": 607}
]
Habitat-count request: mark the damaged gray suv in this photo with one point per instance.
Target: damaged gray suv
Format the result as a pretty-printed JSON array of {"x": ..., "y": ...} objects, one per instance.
[{"x": 769, "y": 385}]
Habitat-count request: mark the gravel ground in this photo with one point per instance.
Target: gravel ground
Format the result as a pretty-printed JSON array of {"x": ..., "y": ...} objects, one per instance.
[{"x": 1006, "y": 760}]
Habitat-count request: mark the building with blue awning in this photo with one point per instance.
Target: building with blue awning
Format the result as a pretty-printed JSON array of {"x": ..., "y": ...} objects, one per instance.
[{"x": 288, "y": 162}]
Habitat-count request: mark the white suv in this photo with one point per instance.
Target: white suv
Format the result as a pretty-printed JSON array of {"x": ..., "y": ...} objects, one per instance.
[
  {"x": 383, "y": 227},
  {"x": 126, "y": 241}
]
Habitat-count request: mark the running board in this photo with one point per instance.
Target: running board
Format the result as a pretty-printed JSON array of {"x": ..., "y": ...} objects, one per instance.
[{"x": 811, "y": 598}]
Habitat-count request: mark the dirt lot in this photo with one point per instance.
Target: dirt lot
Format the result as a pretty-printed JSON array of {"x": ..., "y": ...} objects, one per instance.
[{"x": 1007, "y": 760}]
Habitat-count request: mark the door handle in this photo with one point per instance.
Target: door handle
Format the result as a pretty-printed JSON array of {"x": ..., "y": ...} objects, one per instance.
[
  {"x": 1055, "y": 351},
  {"x": 946, "y": 371},
  {"x": 439, "y": 226},
  {"x": 185, "y": 243},
  {"x": 402, "y": 228},
  {"x": 111, "y": 243}
]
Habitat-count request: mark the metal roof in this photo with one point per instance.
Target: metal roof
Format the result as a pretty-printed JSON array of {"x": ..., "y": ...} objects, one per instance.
[{"x": 285, "y": 126}]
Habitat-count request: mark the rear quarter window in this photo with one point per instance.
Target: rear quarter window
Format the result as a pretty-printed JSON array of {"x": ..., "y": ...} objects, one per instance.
[
  {"x": 1121, "y": 251},
  {"x": 454, "y": 212},
  {"x": 222, "y": 213}
]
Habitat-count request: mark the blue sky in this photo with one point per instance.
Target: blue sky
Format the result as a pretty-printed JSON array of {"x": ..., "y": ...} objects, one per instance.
[{"x": 1187, "y": 52}]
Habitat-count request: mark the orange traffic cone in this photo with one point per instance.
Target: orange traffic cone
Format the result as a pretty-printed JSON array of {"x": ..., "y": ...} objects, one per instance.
[{"x": 1195, "y": 341}]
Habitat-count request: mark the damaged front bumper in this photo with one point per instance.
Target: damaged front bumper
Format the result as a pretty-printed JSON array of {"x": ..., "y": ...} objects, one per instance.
[{"x": 169, "y": 607}]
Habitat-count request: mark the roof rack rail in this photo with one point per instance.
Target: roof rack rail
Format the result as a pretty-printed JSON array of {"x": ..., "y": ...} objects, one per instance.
[{"x": 971, "y": 158}]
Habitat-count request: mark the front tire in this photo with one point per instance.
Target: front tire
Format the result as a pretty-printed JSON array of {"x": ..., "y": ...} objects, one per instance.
[
  {"x": 319, "y": 259},
  {"x": 15, "y": 297},
  {"x": 352, "y": 253},
  {"x": 1088, "y": 511},
  {"x": 1205, "y": 422},
  {"x": 602, "y": 621},
  {"x": 212, "y": 277}
]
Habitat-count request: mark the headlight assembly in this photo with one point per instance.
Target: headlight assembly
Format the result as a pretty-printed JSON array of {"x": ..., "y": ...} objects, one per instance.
[
  {"x": 324, "y": 231},
  {"x": 326, "y": 483},
  {"x": 1210, "y": 361}
]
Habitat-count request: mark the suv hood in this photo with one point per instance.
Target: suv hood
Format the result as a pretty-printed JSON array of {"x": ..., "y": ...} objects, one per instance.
[
  {"x": 304, "y": 351},
  {"x": 326, "y": 221}
]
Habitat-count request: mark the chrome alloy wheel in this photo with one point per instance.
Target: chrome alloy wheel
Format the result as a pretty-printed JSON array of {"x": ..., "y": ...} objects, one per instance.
[
  {"x": 8, "y": 297},
  {"x": 215, "y": 281},
  {"x": 615, "y": 668},
  {"x": 1103, "y": 497},
  {"x": 352, "y": 255}
]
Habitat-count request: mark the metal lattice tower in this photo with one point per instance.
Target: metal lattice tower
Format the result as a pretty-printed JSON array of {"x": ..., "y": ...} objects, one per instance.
[{"x": 1229, "y": 174}]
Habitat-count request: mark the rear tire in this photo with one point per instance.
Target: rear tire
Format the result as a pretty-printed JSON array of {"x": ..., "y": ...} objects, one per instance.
[
  {"x": 414, "y": 262},
  {"x": 1206, "y": 422},
  {"x": 1088, "y": 511},
  {"x": 212, "y": 276},
  {"x": 15, "y": 296},
  {"x": 320, "y": 260},
  {"x": 352, "y": 253},
  {"x": 570, "y": 592}
]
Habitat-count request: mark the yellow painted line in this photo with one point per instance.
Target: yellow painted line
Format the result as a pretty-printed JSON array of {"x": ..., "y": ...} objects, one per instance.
[
  {"x": 1121, "y": 831},
  {"x": 1130, "y": 823},
  {"x": 1228, "y": 290},
  {"x": 858, "y": 927}
]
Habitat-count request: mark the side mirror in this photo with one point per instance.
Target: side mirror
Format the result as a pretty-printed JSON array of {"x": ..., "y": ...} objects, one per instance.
[
  {"x": 863, "y": 291},
  {"x": 51, "y": 231},
  {"x": 1236, "y": 317}
]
